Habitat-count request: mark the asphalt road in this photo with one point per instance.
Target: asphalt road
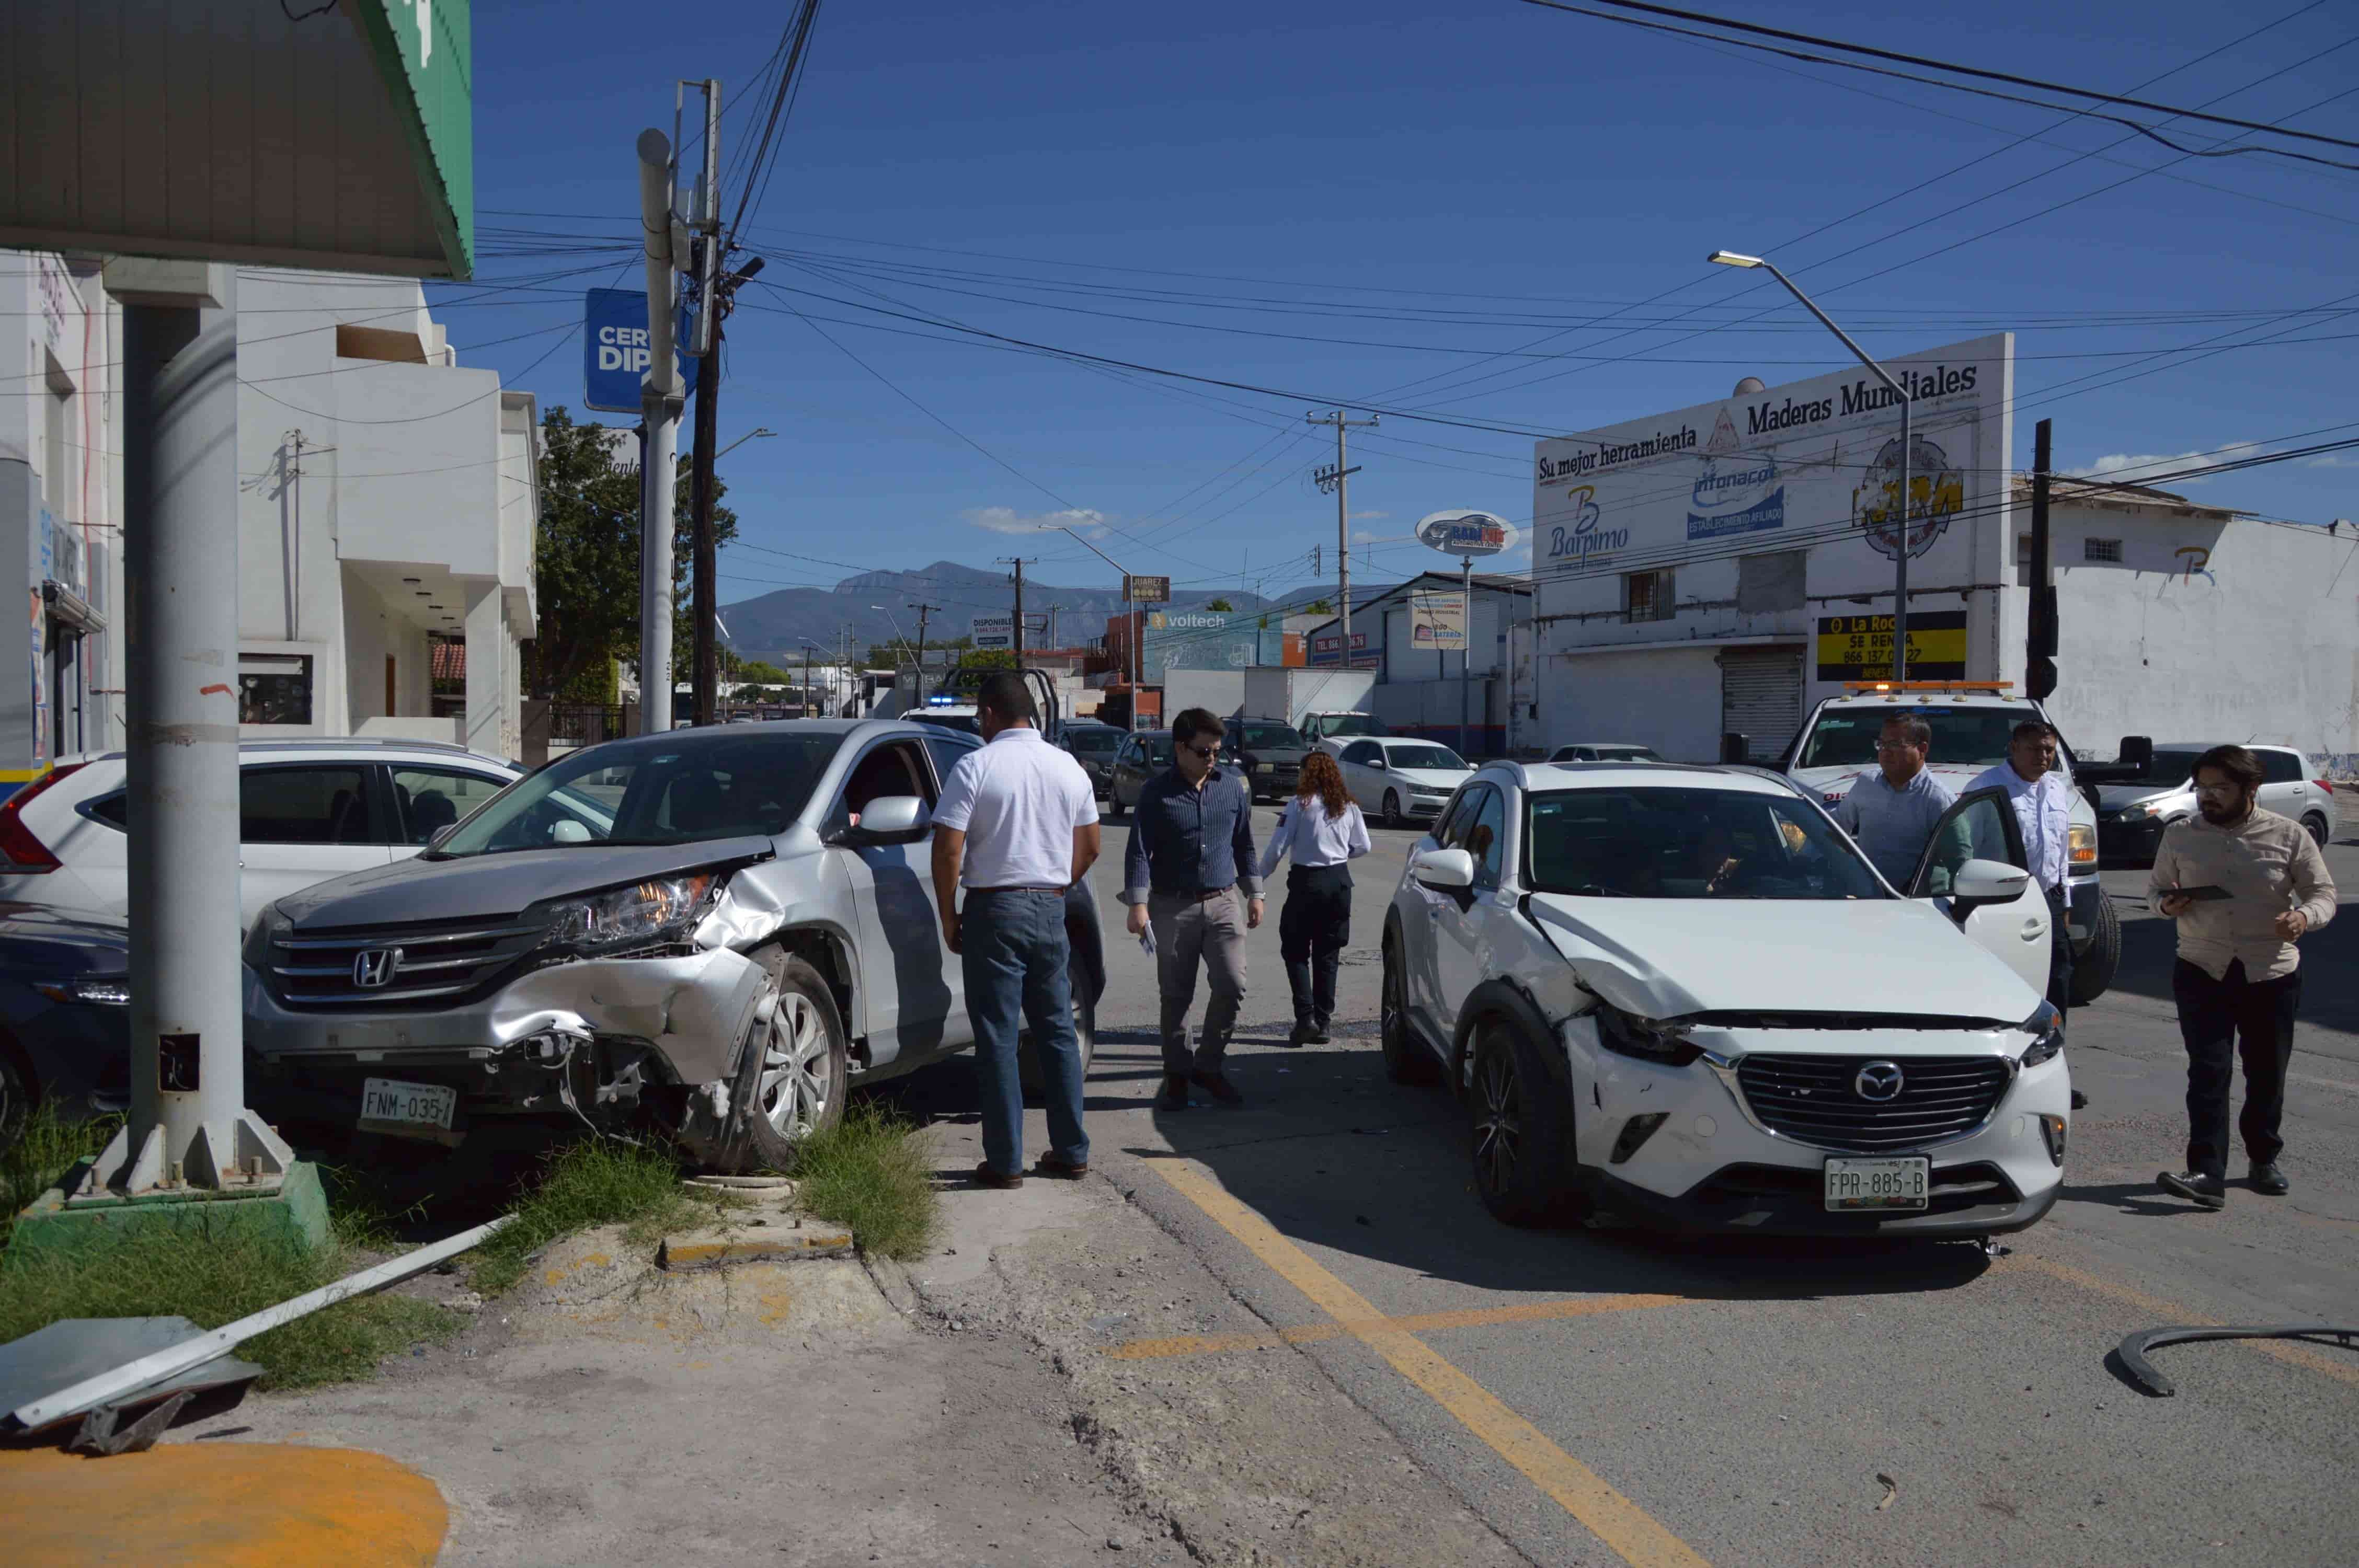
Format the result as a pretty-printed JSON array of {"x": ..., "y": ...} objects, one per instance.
[{"x": 1605, "y": 1395}]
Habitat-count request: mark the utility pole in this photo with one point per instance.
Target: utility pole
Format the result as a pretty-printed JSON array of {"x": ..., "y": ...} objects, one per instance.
[
  {"x": 2039, "y": 661},
  {"x": 1018, "y": 562},
  {"x": 704, "y": 573},
  {"x": 1338, "y": 479},
  {"x": 659, "y": 401},
  {"x": 923, "y": 611},
  {"x": 807, "y": 698}
]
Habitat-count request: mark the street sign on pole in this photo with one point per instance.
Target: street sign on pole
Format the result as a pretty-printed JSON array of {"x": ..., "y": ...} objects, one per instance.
[
  {"x": 614, "y": 353},
  {"x": 1146, "y": 590}
]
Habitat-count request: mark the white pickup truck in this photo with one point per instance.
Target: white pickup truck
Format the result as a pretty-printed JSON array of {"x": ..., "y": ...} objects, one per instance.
[{"x": 1971, "y": 723}]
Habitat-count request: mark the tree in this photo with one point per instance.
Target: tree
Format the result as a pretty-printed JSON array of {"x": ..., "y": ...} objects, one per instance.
[
  {"x": 1318, "y": 607},
  {"x": 587, "y": 556},
  {"x": 1221, "y": 606},
  {"x": 757, "y": 671}
]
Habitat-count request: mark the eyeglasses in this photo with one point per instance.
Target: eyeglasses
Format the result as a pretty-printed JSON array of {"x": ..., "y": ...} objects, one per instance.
[
  {"x": 1896, "y": 745},
  {"x": 1207, "y": 752},
  {"x": 2227, "y": 791}
]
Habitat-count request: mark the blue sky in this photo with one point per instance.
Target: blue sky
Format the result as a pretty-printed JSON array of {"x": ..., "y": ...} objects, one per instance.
[{"x": 1455, "y": 181}]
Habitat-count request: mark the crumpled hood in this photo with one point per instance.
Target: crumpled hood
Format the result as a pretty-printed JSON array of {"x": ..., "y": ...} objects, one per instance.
[
  {"x": 472, "y": 887},
  {"x": 1667, "y": 958}
]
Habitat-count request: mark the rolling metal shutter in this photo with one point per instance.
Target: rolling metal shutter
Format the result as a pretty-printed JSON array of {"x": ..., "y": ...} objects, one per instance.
[{"x": 1761, "y": 697}]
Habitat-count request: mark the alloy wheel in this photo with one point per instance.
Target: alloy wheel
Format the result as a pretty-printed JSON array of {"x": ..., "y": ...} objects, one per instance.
[
  {"x": 1392, "y": 809},
  {"x": 793, "y": 1092},
  {"x": 1498, "y": 1121}
]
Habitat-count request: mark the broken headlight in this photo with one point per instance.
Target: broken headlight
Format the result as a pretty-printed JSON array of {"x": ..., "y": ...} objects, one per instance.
[
  {"x": 1650, "y": 1039},
  {"x": 653, "y": 914},
  {"x": 2046, "y": 1027}
]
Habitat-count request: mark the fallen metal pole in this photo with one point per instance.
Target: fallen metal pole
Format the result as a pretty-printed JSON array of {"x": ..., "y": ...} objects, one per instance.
[{"x": 133, "y": 1376}]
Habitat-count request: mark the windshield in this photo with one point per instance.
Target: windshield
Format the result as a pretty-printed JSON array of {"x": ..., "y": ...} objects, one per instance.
[
  {"x": 1963, "y": 737},
  {"x": 1690, "y": 843},
  {"x": 1266, "y": 737},
  {"x": 1438, "y": 757},
  {"x": 964, "y": 723},
  {"x": 2170, "y": 769},
  {"x": 653, "y": 793},
  {"x": 1350, "y": 724},
  {"x": 1093, "y": 739}
]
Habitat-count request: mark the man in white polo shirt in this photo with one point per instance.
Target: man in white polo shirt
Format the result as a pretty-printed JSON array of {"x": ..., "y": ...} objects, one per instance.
[
  {"x": 2042, "y": 796},
  {"x": 1023, "y": 817}
]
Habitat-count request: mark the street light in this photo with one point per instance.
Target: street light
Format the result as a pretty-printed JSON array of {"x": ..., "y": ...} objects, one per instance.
[
  {"x": 1139, "y": 626},
  {"x": 1900, "y": 548},
  {"x": 750, "y": 435},
  {"x": 808, "y": 645}
]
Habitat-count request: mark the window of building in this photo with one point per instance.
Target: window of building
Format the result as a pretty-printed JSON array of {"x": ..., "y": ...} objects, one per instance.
[
  {"x": 274, "y": 688},
  {"x": 2101, "y": 549},
  {"x": 1646, "y": 596},
  {"x": 2022, "y": 552}
]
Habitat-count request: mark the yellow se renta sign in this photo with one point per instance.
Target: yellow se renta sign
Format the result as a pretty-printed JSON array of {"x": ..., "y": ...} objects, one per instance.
[{"x": 1859, "y": 647}]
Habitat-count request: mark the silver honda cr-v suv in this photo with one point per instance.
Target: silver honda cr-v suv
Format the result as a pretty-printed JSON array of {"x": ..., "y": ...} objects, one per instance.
[{"x": 721, "y": 929}]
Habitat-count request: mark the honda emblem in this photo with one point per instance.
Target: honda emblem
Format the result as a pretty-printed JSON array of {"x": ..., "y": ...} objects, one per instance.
[{"x": 375, "y": 967}]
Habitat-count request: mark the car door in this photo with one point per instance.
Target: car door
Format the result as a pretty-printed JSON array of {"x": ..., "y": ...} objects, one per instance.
[
  {"x": 1982, "y": 826},
  {"x": 911, "y": 990},
  {"x": 2281, "y": 781},
  {"x": 304, "y": 823},
  {"x": 426, "y": 799},
  {"x": 1462, "y": 922}
]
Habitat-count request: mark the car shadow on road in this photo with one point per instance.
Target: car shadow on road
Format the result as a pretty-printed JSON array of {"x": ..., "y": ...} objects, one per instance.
[{"x": 1337, "y": 1158}]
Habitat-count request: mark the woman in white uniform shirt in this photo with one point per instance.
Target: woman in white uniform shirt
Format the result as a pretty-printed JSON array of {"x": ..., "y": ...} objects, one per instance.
[{"x": 1323, "y": 830}]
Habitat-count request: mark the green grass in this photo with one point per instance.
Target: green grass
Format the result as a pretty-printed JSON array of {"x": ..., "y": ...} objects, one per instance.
[
  {"x": 212, "y": 1280},
  {"x": 600, "y": 1181},
  {"x": 875, "y": 1174},
  {"x": 44, "y": 1150}
]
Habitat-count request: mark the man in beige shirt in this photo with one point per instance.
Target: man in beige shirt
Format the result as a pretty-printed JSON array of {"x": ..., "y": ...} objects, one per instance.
[{"x": 2253, "y": 883}]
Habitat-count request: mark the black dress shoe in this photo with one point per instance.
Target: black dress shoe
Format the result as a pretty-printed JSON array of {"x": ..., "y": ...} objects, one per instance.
[
  {"x": 1174, "y": 1095},
  {"x": 2080, "y": 1100},
  {"x": 1318, "y": 1035},
  {"x": 2205, "y": 1192},
  {"x": 1219, "y": 1088},
  {"x": 2267, "y": 1178},
  {"x": 1303, "y": 1033}
]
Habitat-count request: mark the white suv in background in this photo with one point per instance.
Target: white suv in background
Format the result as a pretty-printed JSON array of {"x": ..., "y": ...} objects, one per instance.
[
  {"x": 1682, "y": 994},
  {"x": 307, "y": 810}
]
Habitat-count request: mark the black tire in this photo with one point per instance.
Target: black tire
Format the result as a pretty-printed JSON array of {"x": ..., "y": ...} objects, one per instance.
[
  {"x": 1393, "y": 818},
  {"x": 1085, "y": 1034},
  {"x": 1405, "y": 1060},
  {"x": 2093, "y": 966},
  {"x": 1114, "y": 802},
  {"x": 795, "y": 1073},
  {"x": 1522, "y": 1131},
  {"x": 2321, "y": 832}
]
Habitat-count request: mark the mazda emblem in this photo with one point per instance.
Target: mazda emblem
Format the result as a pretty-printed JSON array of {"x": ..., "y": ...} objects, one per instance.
[
  {"x": 1878, "y": 1081},
  {"x": 375, "y": 967}
]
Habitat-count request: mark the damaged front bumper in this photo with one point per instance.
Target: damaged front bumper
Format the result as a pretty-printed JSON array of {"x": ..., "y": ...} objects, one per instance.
[{"x": 586, "y": 1038}]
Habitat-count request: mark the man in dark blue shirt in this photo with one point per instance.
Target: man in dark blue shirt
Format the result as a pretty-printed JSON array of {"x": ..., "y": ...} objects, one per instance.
[{"x": 1191, "y": 848}]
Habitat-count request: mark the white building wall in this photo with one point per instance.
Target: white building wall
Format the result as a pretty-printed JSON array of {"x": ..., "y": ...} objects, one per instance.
[{"x": 1663, "y": 696}]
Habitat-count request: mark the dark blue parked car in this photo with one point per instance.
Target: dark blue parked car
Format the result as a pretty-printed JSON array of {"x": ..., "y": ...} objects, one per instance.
[{"x": 65, "y": 1014}]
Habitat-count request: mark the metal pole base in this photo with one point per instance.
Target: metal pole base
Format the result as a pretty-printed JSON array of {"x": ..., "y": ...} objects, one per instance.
[{"x": 244, "y": 1155}]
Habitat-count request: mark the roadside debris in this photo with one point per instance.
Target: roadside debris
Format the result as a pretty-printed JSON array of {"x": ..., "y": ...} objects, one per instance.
[
  {"x": 1891, "y": 1490},
  {"x": 2149, "y": 1378}
]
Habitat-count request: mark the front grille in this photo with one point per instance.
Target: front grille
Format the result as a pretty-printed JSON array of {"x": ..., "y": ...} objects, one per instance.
[
  {"x": 1813, "y": 1099},
  {"x": 437, "y": 963}
]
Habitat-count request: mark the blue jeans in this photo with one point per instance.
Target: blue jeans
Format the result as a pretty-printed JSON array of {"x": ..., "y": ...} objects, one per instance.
[{"x": 1012, "y": 951}]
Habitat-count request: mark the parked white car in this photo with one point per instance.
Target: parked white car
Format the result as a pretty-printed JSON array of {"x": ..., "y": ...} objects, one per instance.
[
  {"x": 2130, "y": 817},
  {"x": 1971, "y": 722},
  {"x": 1604, "y": 752},
  {"x": 1399, "y": 780},
  {"x": 307, "y": 810},
  {"x": 1682, "y": 994}
]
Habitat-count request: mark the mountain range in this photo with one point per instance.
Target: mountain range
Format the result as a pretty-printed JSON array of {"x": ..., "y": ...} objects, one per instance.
[{"x": 774, "y": 625}]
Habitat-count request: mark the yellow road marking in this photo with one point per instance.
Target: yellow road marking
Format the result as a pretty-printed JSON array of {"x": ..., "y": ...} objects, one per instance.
[
  {"x": 1621, "y": 1524},
  {"x": 2165, "y": 1312},
  {"x": 1414, "y": 1322}
]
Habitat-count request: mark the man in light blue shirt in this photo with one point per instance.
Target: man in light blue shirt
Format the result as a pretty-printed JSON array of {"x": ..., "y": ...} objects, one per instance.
[
  {"x": 1891, "y": 811},
  {"x": 2041, "y": 793}
]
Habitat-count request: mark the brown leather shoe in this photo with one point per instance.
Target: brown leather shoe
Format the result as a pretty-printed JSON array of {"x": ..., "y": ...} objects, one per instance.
[
  {"x": 1217, "y": 1085},
  {"x": 984, "y": 1176},
  {"x": 1063, "y": 1171}
]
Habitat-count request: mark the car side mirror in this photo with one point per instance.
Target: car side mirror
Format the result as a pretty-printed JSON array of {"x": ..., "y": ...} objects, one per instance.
[
  {"x": 1977, "y": 882},
  {"x": 887, "y": 819},
  {"x": 2137, "y": 750},
  {"x": 1446, "y": 870},
  {"x": 1381, "y": 765}
]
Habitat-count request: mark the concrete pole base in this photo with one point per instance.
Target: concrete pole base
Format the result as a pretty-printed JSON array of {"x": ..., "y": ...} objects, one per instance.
[
  {"x": 291, "y": 1207},
  {"x": 244, "y": 1155}
]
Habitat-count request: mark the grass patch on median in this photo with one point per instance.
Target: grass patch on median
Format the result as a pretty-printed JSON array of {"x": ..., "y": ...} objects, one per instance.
[
  {"x": 212, "y": 1279},
  {"x": 873, "y": 1172},
  {"x": 44, "y": 1150},
  {"x": 600, "y": 1181}
]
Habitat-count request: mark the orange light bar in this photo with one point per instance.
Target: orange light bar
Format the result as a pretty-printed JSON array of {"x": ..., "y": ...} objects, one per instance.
[{"x": 1927, "y": 684}]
